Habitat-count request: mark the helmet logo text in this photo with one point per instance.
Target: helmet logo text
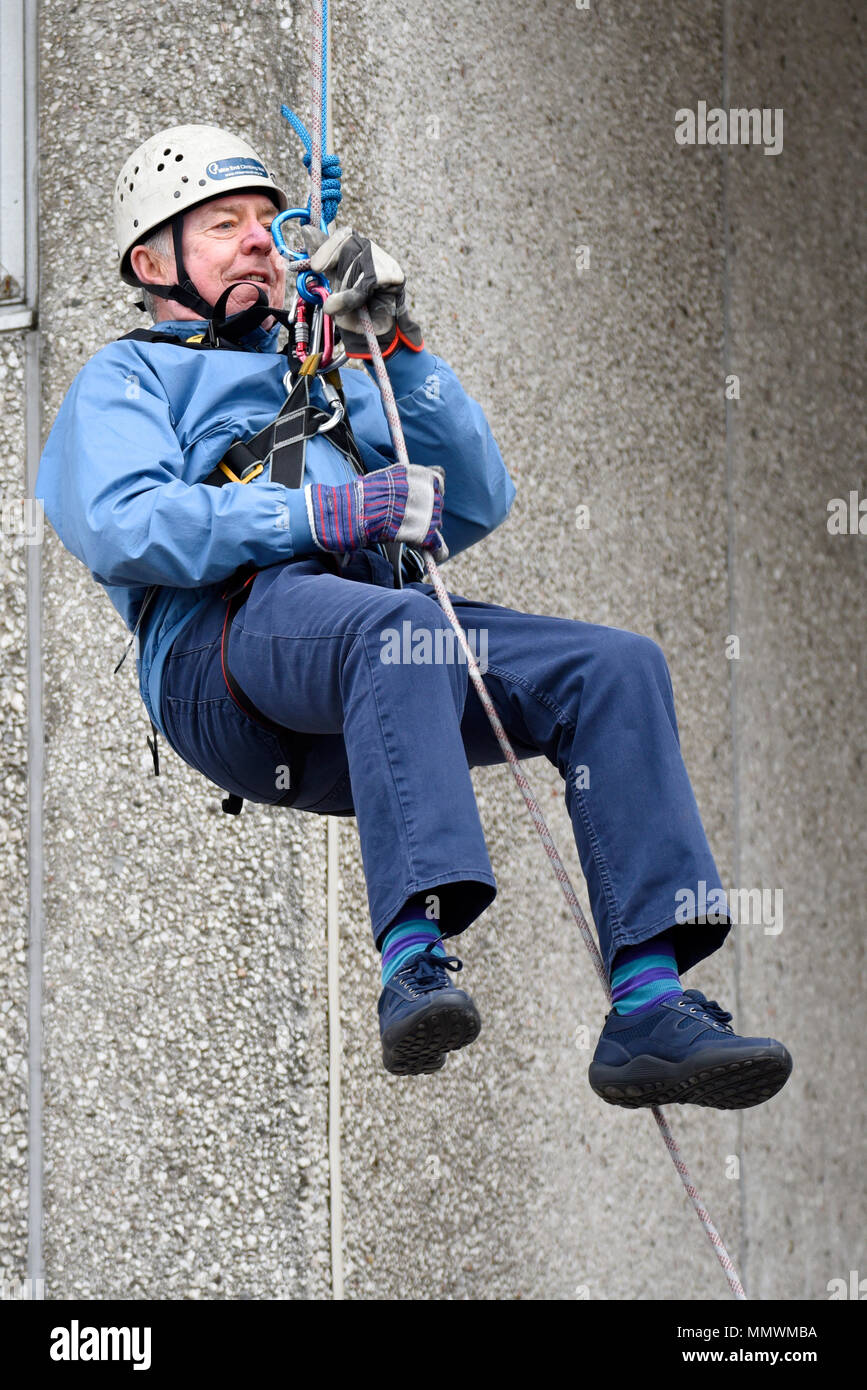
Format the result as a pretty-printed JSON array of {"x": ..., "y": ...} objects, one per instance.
[{"x": 232, "y": 168}]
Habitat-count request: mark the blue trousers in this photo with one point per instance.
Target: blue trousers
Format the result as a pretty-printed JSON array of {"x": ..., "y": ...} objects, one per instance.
[{"x": 382, "y": 722}]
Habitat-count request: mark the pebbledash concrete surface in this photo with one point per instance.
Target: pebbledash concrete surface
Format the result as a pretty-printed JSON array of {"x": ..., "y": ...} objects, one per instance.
[{"x": 186, "y": 1045}]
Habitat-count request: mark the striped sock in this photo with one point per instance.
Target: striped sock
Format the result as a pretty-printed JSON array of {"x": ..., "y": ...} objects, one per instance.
[
  {"x": 644, "y": 975},
  {"x": 407, "y": 934}
]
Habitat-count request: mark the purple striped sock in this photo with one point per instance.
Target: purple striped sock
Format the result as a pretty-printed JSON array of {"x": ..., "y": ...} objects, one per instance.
[
  {"x": 645, "y": 974},
  {"x": 407, "y": 934}
]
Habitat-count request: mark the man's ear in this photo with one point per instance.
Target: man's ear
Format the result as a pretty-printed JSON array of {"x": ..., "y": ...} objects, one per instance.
[{"x": 150, "y": 267}]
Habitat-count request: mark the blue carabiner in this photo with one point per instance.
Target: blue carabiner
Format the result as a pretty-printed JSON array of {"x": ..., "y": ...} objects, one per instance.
[
  {"x": 305, "y": 293},
  {"x": 277, "y": 232}
]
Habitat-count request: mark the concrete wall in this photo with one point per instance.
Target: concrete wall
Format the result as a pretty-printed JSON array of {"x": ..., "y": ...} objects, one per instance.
[
  {"x": 13, "y": 824},
  {"x": 186, "y": 1042},
  {"x": 797, "y": 439}
]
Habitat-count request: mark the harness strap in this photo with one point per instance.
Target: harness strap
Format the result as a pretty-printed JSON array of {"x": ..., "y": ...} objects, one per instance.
[
  {"x": 281, "y": 445},
  {"x": 150, "y": 335}
]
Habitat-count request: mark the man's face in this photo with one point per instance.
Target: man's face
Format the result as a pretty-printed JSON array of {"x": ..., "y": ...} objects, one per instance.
[{"x": 227, "y": 240}]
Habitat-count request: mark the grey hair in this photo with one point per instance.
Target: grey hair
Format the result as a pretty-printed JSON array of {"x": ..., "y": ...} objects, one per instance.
[{"x": 161, "y": 243}]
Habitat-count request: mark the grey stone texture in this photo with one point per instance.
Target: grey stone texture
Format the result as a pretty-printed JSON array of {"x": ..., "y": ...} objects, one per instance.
[
  {"x": 797, "y": 441},
  {"x": 186, "y": 1010},
  {"x": 13, "y": 817}
]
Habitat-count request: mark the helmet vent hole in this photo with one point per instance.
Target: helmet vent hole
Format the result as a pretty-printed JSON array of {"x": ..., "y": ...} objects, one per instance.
[
  {"x": 201, "y": 183},
  {"x": 177, "y": 193},
  {"x": 121, "y": 197},
  {"x": 184, "y": 178},
  {"x": 160, "y": 168},
  {"x": 135, "y": 222},
  {"x": 166, "y": 152},
  {"x": 131, "y": 187},
  {"x": 178, "y": 158}
]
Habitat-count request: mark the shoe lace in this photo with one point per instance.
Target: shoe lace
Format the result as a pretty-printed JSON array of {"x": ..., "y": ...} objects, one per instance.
[
  {"x": 428, "y": 970},
  {"x": 709, "y": 1006}
]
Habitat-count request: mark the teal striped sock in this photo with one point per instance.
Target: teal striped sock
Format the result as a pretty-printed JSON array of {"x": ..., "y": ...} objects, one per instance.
[
  {"x": 409, "y": 933},
  {"x": 644, "y": 974}
]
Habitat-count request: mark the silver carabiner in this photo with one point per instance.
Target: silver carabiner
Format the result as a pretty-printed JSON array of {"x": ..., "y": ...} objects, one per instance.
[
  {"x": 315, "y": 345},
  {"x": 335, "y": 420},
  {"x": 334, "y": 402}
]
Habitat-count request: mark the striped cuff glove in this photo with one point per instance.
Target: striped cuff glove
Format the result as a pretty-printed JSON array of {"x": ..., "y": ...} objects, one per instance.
[{"x": 390, "y": 504}]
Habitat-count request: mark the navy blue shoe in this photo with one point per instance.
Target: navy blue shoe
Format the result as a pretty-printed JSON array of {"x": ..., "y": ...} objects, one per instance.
[
  {"x": 685, "y": 1052},
  {"x": 422, "y": 1016}
]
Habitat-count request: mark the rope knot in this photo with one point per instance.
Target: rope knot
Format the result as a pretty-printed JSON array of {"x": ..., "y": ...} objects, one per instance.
[{"x": 331, "y": 168}]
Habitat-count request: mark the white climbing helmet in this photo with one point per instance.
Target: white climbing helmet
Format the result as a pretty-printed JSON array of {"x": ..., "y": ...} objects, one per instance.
[{"x": 177, "y": 169}]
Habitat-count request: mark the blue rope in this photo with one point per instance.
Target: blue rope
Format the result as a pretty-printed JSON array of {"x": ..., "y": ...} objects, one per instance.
[{"x": 331, "y": 170}]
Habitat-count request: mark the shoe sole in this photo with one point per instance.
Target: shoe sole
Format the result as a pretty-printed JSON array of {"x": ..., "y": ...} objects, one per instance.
[
  {"x": 423, "y": 1041},
  {"x": 735, "y": 1084}
]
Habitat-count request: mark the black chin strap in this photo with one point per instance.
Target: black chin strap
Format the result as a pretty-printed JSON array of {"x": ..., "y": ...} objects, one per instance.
[
  {"x": 184, "y": 292},
  {"x": 192, "y": 298},
  {"x": 236, "y": 326}
]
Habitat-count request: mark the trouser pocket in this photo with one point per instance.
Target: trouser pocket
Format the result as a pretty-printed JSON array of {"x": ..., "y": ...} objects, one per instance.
[{"x": 222, "y": 743}]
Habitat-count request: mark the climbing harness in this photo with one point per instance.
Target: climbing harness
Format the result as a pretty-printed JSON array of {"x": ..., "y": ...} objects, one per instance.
[
  {"x": 278, "y": 450},
  {"x": 317, "y": 160}
]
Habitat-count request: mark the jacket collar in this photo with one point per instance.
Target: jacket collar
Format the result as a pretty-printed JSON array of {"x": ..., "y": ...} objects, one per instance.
[{"x": 258, "y": 340}]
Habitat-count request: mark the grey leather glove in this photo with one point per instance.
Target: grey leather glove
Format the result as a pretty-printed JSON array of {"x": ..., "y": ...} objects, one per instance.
[{"x": 363, "y": 274}]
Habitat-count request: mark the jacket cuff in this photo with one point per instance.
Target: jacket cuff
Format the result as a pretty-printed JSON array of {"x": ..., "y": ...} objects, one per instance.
[
  {"x": 407, "y": 370},
  {"x": 300, "y": 530}
]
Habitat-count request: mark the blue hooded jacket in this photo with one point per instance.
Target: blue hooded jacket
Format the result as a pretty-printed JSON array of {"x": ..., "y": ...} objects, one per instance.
[{"x": 144, "y": 423}]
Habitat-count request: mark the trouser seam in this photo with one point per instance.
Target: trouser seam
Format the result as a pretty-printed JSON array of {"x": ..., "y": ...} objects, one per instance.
[
  {"x": 615, "y": 918},
  {"x": 410, "y": 839},
  {"x": 569, "y": 724},
  {"x": 543, "y": 699}
]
